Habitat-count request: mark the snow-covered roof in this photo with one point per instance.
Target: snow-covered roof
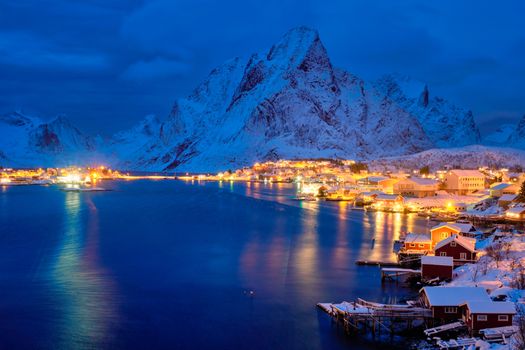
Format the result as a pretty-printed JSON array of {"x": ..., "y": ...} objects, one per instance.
[
  {"x": 454, "y": 227},
  {"x": 437, "y": 260},
  {"x": 457, "y": 226},
  {"x": 508, "y": 197},
  {"x": 500, "y": 186},
  {"x": 516, "y": 210},
  {"x": 422, "y": 181},
  {"x": 376, "y": 178},
  {"x": 468, "y": 243},
  {"x": 491, "y": 307},
  {"x": 386, "y": 197},
  {"x": 464, "y": 227},
  {"x": 450, "y": 296},
  {"x": 417, "y": 238},
  {"x": 467, "y": 173}
]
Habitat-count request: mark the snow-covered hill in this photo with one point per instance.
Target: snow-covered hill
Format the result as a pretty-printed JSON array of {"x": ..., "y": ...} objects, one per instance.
[
  {"x": 517, "y": 137},
  {"x": 28, "y": 141},
  {"x": 464, "y": 157},
  {"x": 291, "y": 102},
  {"x": 500, "y": 136}
]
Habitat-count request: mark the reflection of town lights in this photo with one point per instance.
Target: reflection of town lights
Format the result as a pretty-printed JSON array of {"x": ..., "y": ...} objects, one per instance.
[
  {"x": 72, "y": 178},
  {"x": 5, "y": 180}
]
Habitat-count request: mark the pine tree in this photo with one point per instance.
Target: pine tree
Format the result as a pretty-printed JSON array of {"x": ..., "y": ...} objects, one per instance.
[{"x": 521, "y": 194}]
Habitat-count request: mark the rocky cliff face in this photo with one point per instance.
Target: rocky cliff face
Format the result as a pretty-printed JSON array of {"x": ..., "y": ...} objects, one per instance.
[
  {"x": 517, "y": 137},
  {"x": 445, "y": 124},
  {"x": 291, "y": 102}
]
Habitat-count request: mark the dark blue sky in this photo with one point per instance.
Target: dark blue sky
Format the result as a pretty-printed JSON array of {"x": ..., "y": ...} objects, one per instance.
[{"x": 106, "y": 64}]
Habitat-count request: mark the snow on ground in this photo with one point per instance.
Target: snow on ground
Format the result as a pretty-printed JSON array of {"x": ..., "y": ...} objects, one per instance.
[
  {"x": 500, "y": 270},
  {"x": 469, "y": 157},
  {"x": 500, "y": 264},
  {"x": 441, "y": 199}
]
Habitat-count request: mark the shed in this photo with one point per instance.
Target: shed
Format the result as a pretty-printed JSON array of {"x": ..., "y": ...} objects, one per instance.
[
  {"x": 515, "y": 213},
  {"x": 417, "y": 242},
  {"x": 461, "y": 249},
  {"x": 433, "y": 267},
  {"x": 488, "y": 314},
  {"x": 445, "y": 302},
  {"x": 505, "y": 200}
]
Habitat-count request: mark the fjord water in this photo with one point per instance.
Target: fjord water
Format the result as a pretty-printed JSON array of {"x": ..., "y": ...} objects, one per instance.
[{"x": 174, "y": 265}]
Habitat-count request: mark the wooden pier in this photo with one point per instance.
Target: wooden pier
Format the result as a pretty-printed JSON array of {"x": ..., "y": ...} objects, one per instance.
[
  {"x": 365, "y": 316},
  {"x": 392, "y": 273},
  {"x": 376, "y": 263}
]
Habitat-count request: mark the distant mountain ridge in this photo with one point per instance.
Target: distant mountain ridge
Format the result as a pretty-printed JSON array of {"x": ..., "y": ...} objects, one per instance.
[
  {"x": 28, "y": 141},
  {"x": 291, "y": 102},
  {"x": 287, "y": 102}
]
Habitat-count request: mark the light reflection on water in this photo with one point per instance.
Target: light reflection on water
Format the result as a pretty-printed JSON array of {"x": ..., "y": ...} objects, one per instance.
[
  {"x": 82, "y": 289},
  {"x": 173, "y": 263}
]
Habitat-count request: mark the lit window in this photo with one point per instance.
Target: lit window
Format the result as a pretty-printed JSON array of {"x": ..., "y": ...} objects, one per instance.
[
  {"x": 503, "y": 318},
  {"x": 421, "y": 245},
  {"x": 463, "y": 256},
  {"x": 452, "y": 244},
  {"x": 443, "y": 254},
  {"x": 412, "y": 245},
  {"x": 481, "y": 317},
  {"x": 451, "y": 310}
]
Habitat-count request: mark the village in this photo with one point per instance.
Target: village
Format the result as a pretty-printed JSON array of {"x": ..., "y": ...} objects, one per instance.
[
  {"x": 471, "y": 290},
  {"x": 72, "y": 178},
  {"x": 468, "y": 269},
  {"x": 481, "y": 195}
]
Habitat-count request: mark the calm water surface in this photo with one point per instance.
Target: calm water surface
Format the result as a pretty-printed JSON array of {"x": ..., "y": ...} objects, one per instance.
[{"x": 174, "y": 265}]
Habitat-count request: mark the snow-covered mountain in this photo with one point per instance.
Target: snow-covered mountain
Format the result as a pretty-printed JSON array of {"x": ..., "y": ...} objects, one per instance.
[
  {"x": 517, "y": 137},
  {"x": 472, "y": 157},
  {"x": 286, "y": 102},
  {"x": 291, "y": 102},
  {"x": 500, "y": 136},
  {"x": 446, "y": 125},
  {"x": 29, "y": 141}
]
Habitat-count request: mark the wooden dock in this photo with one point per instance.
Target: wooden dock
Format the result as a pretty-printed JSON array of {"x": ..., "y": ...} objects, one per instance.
[
  {"x": 392, "y": 273},
  {"x": 376, "y": 263},
  {"x": 365, "y": 316},
  {"x": 461, "y": 343},
  {"x": 444, "y": 328}
]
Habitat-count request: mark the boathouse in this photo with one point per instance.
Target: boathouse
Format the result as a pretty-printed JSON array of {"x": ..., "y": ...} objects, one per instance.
[
  {"x": 436, "y": 267},
  {"x": 388, "y": 202},
  {"x": 445, "y": 302},
  {"x": 445, "y": 230},
  {"x": 515, "y": 213},
  {"x": 505, "y": 200},
  {"x": 417, "y": 243},
  {"x": 488, "y": 314},
  {"x": 461, "y": 249}
]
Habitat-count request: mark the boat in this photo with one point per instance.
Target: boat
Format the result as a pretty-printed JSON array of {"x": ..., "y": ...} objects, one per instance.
[{"x": 83, "y": 189}]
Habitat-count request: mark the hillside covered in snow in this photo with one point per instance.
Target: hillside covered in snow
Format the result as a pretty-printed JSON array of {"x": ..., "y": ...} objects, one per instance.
[
  {"x": 28, "y": 141},
  {"x": 468, "y": 157}
]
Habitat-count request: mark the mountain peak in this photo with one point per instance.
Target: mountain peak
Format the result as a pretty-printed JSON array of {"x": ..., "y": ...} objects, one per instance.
[
  {"x": 294, "y": 45},
  {"x": 62, "y": 120},
  {"x": 17, "y": 118}
]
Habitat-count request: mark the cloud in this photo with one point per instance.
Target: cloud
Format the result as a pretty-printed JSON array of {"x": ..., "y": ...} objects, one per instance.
[
  {"x": 24, "y": 50},
  {"x": 156, "y": 68},
  {"x": 468, "y": 51}
]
